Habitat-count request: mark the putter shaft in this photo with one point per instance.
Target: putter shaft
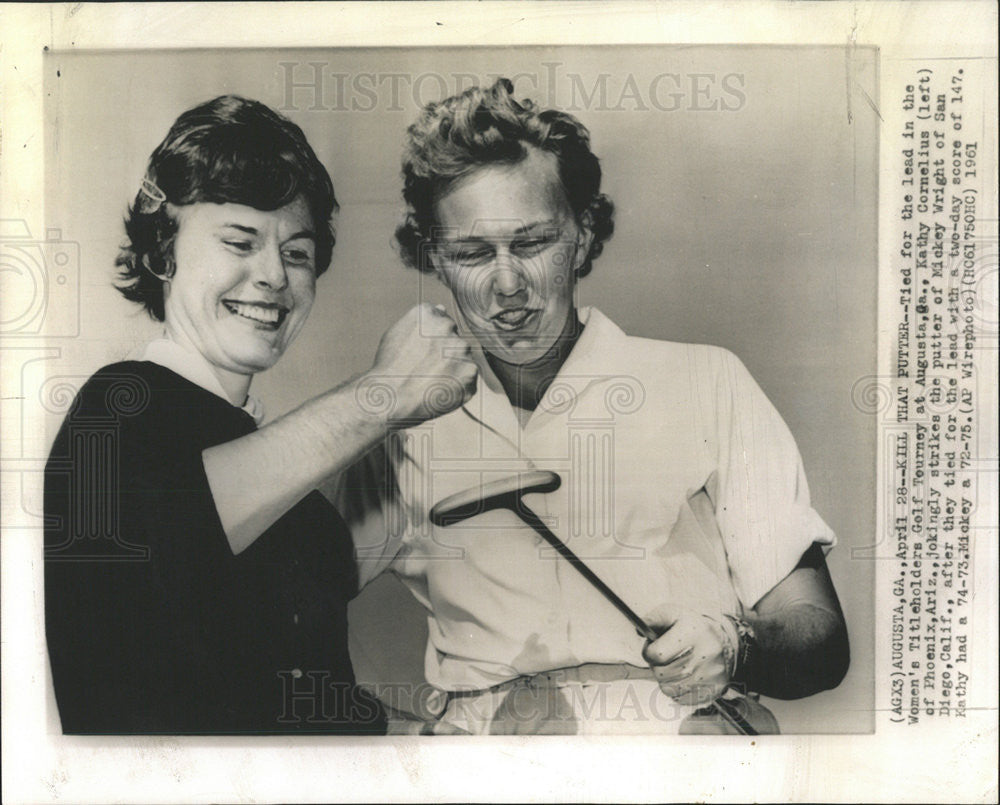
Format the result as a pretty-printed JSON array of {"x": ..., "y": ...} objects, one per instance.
[
  {"x": 532, "y": 519},
  {"x": 725, "y": 710}
]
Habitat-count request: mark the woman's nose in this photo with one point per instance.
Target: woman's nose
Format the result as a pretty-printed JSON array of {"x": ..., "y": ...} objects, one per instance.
[
  {"x": 506, "y": 279},
  {"x": 269, "y": 270}
]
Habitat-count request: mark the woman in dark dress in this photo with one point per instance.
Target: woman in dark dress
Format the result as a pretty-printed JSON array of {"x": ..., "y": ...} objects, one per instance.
[{"x": 195, "y": 581}]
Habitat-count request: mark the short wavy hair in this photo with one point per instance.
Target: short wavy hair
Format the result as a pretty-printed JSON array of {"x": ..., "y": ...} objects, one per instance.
[
  {"x": 227, "y": 150},
  {"x": 455, "y": 137}
]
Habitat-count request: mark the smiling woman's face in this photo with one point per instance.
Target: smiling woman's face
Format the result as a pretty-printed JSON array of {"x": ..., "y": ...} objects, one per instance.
[
  {"x": 509, "y": 250},
  {"x": 243, "y": 284}
]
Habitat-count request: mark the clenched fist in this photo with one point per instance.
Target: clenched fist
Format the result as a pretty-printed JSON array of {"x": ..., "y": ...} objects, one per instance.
[
  {"x": 422, "y": 369},
  {"x": 694, "y": 657}
]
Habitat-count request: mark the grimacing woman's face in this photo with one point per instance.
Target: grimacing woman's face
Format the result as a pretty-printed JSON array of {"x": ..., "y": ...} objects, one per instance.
[
  {"x": 509, "y": 250},
  {"x": 244, "y": 282}
]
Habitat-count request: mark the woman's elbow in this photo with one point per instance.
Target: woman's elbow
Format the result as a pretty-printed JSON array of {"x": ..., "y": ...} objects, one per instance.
[
  {"x": 817, "y": 663},
  {"x": 837, "y": 652},
  {"x": 829, "y": 660}
]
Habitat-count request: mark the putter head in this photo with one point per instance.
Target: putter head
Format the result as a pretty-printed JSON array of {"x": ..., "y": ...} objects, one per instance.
[{"x": 503, "y": 494}]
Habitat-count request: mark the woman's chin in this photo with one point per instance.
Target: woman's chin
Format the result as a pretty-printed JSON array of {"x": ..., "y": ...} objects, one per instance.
[
  {"x": 251, "y": 361},
  {"x": 518, "y": 355}
]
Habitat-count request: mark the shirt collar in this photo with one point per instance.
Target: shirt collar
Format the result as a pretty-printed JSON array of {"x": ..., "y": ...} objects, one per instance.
[
  {"x": 599, "y": 349},
  {"x": 194, "y": 367}
]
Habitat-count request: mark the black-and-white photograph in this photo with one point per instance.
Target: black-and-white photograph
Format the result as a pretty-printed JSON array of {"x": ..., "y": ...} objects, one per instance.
[
  {"x": 556, "y": 351},
  {"x": 399, "y": 396}
]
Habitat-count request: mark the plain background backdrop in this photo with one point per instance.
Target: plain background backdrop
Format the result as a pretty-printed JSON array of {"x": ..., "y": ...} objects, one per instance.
[{"x": 753, "y": 228}]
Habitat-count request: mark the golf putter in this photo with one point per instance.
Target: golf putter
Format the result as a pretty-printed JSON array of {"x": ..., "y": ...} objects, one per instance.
[{"x": 507, "y": 493}]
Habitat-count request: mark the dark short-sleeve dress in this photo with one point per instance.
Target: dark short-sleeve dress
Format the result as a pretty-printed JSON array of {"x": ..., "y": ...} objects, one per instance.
[{"x": 152, "y": 624}]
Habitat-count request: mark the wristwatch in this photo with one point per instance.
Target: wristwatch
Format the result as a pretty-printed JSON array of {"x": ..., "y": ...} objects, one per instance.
[{"x": 747, "y": 646}]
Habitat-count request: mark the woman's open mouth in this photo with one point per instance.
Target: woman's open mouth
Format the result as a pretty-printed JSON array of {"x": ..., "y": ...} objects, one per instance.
[
  {"x": 264, "y": 315},
  {"x": 514, "y": 319}
]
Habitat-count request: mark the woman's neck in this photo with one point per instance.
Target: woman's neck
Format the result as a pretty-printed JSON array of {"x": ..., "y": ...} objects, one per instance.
[
  {"x": 236, "y": 386},
  {"x": 526, "y": 383}
]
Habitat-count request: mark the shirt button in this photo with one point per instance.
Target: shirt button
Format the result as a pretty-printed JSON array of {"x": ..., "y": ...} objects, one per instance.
[
  {"x": 296, "y": 673},
  {"x": 295, "y": 618}
]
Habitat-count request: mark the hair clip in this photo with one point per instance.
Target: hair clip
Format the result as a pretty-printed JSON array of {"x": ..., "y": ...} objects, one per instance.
[{"x": 150, "y": 197}]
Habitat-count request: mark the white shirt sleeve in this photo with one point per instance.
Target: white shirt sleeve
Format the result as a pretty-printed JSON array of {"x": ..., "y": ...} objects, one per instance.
[{"x": 760, "y": 491}]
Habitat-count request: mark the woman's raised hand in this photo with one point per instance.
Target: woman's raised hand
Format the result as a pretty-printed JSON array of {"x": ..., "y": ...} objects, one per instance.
[{"x": 423, "y": 369}]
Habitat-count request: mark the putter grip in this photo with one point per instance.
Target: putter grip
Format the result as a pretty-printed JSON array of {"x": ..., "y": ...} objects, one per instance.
[{"x": 503, "y": 494}]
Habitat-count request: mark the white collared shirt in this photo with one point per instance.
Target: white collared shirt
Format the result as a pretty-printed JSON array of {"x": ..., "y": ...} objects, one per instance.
[
  {"x": 194, "y": 367},
  {"x": 650, "y": 438}
]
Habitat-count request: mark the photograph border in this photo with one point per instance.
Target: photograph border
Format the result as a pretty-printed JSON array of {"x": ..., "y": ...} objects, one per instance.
[{"x": 797, "y": 768}]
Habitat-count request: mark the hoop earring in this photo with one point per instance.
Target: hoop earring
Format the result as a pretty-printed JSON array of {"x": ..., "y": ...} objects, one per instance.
[{"x": 166, "y": 276}]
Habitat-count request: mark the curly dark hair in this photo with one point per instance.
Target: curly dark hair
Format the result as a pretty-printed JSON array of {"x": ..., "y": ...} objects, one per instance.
[
  {"x": 229, "y": 149},
  {"x": 455, "y": 137}
]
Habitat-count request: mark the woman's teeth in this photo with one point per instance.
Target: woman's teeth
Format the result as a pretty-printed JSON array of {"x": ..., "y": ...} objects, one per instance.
[
  {"x": 512, "y": 318},
  {"x": 259, "y": 313}
]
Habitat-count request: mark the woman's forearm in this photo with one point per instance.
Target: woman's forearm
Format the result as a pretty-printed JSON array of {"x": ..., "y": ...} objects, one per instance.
[
  {"x": 800, "y": 645},
  {"x": 257, "y": 478},
  {"x": 422, "y": 370}
]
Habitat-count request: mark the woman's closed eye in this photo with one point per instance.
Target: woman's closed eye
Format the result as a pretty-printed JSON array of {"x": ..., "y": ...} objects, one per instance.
[
  {"x": 472, "y": 255},
  {"x": 529, "y": 246},
  {"x": 239, "y": 245}
]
